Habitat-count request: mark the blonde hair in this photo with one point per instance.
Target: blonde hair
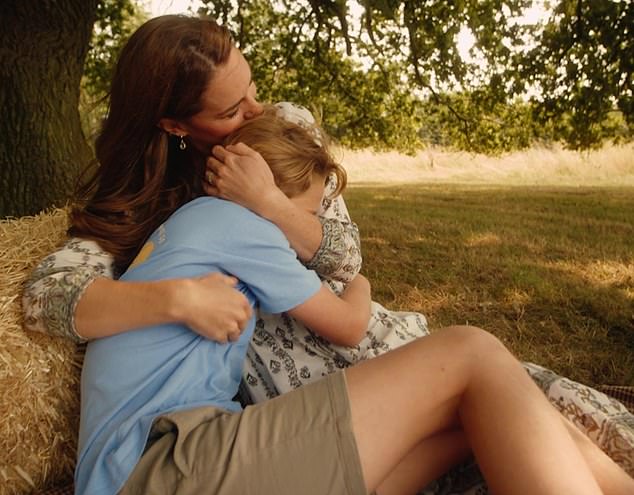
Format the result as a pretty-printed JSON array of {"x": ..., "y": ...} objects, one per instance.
[{"x": 293, "y": 152}]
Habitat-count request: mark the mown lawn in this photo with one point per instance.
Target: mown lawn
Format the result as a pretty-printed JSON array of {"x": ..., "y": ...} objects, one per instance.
[{"x": 548, "y": 270}]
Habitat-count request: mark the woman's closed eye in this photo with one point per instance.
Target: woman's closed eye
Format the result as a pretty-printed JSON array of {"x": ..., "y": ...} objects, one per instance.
[{"x": 251, "y": 92}]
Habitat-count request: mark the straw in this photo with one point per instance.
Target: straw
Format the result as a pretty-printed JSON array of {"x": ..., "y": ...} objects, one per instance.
[{"x": 39, "y": 374}]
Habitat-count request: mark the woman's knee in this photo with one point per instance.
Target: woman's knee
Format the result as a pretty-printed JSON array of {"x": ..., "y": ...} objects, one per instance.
[{"x": 476, "y": 344}]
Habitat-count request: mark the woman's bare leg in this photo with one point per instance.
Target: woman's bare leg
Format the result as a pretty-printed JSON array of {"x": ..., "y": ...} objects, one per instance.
[
  {"x": 612, "y": 479},
  {"x": 419, "y": 391},
  {"x": 428, "y": 461},
  {"x": 434, "y": 456}
]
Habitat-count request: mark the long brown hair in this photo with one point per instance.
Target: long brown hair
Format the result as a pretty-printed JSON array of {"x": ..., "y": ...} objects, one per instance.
[
  {"x": 293, "y": 152},
  {"x": 142, "y": 175}
]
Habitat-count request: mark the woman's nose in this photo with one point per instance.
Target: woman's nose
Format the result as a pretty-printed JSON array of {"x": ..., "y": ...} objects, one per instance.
[{"x": 254, "y": 108}]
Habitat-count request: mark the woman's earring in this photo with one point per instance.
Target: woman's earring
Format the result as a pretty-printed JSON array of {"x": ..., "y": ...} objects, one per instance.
[{"x": 182, "y": 145}]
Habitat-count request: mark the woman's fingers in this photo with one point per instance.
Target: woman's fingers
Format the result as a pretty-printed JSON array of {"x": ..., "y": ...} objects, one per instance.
[
  {"x": 213, "y": 165},
  {"x": 238, "y": 149},
  {"x": 212, "y": 176},
  {"x": 226, "y": 316},
  {"x": 220, "y": 152},
  {"x": 217, "y": 162},
  {"x": 220, "y": 168},
  {"x": 228, "y": 279},
  {"x": 241, "y": 149},
  {"x": 234, "y": 335},
  {"x": 240, "y": 174}
]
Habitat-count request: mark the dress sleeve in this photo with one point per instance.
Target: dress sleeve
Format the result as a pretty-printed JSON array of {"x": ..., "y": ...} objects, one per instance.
[
  {"x": 55, "y": 286},
  {"x": 338, "y": 258},
  {"x": 339, "y": 255}
]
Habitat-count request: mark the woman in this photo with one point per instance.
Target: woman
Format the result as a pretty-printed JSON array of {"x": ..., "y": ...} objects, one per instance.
[
  {"x": 179, "y": 89},
  {"x": 157, "y": 409}
]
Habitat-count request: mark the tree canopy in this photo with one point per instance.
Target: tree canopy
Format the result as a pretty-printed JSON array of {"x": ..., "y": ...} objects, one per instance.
[
  {"x": 390, "y": 73},
  {"x": 381, "y": 73},
  {"x": 385, "y": 72}
]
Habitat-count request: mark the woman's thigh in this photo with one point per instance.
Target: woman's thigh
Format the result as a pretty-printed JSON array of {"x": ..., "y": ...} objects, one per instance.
[
  {"x": 412, "y": 393},
  {"x": 301, "y": 442}
]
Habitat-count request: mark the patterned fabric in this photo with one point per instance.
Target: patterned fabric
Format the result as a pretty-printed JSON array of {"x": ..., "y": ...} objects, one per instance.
[
  {"x": 606, "y": 421},
  {"x": 332, "y": 243},
  {"x": 285, "y": 355},
  {"x": 464, "y": 479},
  {"x": 301, "y": 116},
  {"x": 339, "y": 255},
  {"x": 623, "y": 394},
  {"x": 58, "y": 282}
]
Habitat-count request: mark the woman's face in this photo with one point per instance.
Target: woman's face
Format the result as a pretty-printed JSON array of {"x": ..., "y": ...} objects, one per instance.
[{"x": 228, "y": 101}]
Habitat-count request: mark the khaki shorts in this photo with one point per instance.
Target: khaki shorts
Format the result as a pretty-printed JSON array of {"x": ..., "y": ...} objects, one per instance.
[{"x": 300, "y": 443}]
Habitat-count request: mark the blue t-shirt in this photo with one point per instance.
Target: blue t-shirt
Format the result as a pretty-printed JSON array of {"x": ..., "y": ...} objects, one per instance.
[{"x": 131, "y": 378}]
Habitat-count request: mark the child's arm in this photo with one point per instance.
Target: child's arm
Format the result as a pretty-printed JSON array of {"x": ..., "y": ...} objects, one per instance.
[{"x": 341, "y": 320}]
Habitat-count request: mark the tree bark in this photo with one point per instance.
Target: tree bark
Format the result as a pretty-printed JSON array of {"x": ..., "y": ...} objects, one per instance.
[{"x": 43, "y": 44}]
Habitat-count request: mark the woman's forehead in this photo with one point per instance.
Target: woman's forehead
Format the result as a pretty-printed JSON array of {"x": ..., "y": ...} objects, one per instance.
[{"x": 229, "y": 85}]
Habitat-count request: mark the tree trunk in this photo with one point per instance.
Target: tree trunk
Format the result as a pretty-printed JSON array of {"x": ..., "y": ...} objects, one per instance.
[{"x": 42, "y": 148}]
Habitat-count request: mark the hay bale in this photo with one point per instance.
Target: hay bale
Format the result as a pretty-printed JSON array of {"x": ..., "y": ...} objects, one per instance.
[{"x": 39, "y": 375}]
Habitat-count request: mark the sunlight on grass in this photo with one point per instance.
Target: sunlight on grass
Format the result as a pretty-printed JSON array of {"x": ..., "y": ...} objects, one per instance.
[
  {"x": 603, "y": 273},
  {"x": 550, "y": 271},
  {"x": 483, "y": 239}
]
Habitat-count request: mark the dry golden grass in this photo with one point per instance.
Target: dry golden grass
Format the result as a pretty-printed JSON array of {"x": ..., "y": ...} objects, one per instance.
[{"x": 609, "y": 166}]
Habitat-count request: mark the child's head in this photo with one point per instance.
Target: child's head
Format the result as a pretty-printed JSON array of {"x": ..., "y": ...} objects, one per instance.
[{"x": 296, "y": 155}]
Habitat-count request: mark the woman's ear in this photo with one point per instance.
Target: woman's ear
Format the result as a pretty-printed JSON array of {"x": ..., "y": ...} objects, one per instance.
[{"x": 172, "y": 126}]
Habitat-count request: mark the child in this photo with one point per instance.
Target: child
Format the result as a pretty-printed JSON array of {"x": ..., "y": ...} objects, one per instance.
[{"x": 282, "y": 357}]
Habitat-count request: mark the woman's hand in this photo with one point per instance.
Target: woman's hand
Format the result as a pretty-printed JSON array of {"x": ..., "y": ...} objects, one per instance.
[
  {"x": 212, "y": 307},
  {"x": 239, "y": 174}
]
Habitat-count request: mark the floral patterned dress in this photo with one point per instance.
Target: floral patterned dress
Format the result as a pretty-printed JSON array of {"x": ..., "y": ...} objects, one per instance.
[{"x": 284, "y": 354}]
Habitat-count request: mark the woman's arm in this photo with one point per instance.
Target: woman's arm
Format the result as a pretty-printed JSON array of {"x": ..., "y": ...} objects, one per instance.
[
  {"x": 71, "y": 294},
  {"x": 54, "y": 288},
  {"x": 209, "y": 305},
  {"x": 341, "y": 320}
]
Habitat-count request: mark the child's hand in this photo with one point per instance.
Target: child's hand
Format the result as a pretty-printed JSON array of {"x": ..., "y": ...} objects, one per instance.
[{"x": 212, "y": 307}]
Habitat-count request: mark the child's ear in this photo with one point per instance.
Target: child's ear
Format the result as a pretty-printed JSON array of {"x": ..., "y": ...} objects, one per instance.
[{"x": 172, "y": 126}]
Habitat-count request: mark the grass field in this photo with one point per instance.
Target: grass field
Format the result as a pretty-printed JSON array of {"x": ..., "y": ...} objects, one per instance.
[{"x": 549, "y": 269}]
